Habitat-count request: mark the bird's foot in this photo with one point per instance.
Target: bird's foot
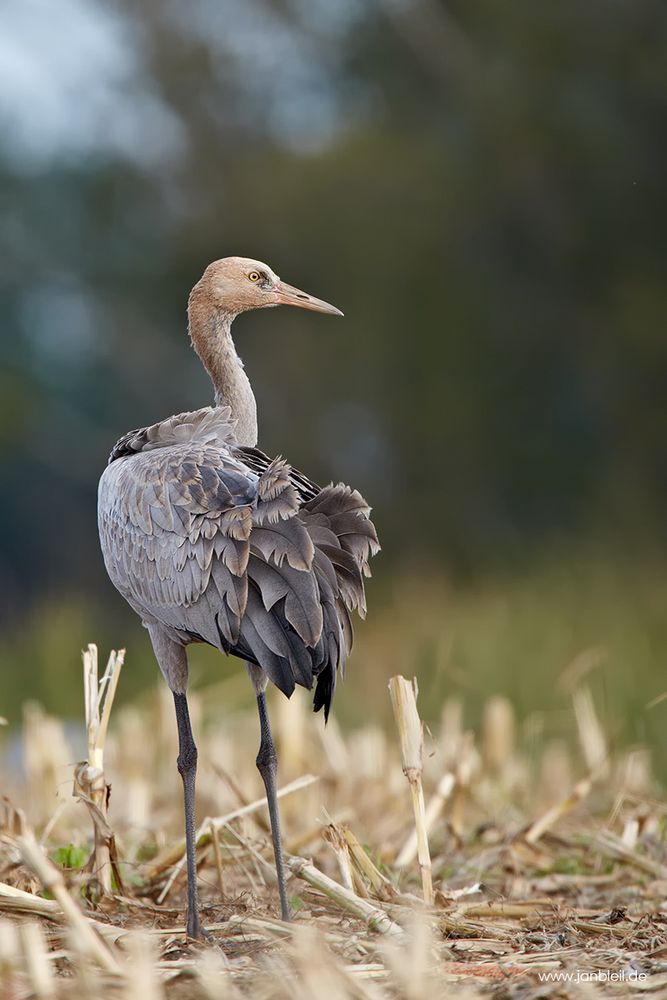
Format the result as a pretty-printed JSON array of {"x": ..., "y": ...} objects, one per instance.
[{"x": 196, "y": 932}]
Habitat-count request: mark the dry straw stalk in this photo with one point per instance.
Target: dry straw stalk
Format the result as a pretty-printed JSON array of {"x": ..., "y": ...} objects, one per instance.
[
  {"x": 411, "y": 734},
  {"x": 375, "y": 918},
  {"x": 90, "y": 784}
]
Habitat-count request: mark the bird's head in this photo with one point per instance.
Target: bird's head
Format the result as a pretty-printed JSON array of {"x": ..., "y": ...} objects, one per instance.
[{"x": 237, "y": 284}]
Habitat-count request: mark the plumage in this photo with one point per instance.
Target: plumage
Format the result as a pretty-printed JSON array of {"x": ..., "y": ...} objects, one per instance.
[
  {"x": 184, "y": 520},
  {"x": 210, "y": 540}
]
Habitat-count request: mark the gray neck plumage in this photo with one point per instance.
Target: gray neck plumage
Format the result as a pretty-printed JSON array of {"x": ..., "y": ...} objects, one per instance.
[{"x": 210, "y": 332}]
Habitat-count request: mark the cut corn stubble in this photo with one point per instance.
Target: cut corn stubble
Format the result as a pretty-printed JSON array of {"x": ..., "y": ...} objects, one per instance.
[
  {"x": 374, "y": 917},
  {"x": 90, "y": 784},
  {"x": 410, "y": 730},
  {"x": 408, "y": 852}
]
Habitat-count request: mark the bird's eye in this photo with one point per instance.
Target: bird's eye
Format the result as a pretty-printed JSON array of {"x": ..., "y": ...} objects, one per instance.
[{"x": 254, "y": 276}]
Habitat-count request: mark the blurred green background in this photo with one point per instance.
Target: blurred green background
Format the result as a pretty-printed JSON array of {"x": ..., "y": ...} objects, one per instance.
[{"x": 480, "y": 187}]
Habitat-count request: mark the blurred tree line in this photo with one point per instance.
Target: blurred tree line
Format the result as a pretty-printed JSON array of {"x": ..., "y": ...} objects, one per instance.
[{"x": 479, "y": 186}]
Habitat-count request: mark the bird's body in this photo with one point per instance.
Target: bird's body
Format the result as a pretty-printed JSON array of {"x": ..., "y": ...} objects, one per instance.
[
  {"x": 212, "y": 542},
  {"x": 209, "y": 540}
]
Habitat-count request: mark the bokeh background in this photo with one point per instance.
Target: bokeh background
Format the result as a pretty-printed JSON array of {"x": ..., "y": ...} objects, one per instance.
[{"x": 481, "y": 188}]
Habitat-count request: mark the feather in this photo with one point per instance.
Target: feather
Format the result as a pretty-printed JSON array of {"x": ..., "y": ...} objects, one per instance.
[
  {"x": 302, "y": 604},
  {"x": 221, "y": 544},
  {"x": 234, "y": 553},
  {"x": 349, "y": 578},
  {"x": 338, "y": 499},
  {"x": 277, "y": 669},
  {"x": 266, "y": 625},
  {"x": 286, "y": 540}
]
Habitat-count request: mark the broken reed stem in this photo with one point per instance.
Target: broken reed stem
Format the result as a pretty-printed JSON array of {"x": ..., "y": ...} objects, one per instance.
[
  {"x": 333, "y": 835},
  {"x": 379, "y": 883},
  {"x": 375, "y": 918},
  {"x": 19, "y": 901},
  {"x": 143, "y": 980},
  {"x": 423, "y": 854},
  {"x": 90, "y": 785},
  {"x": 99, "y": 694},
  {"x": 433, "y": 809},
  {"x": 411, "y": 734},
  {"x": 591, "y": 734},
  {"x": 614, "y": 847},
  {"x": 552, "y": 815},
  {"x": 356, "y": 868},
  {"x": 37, "y": 962}
]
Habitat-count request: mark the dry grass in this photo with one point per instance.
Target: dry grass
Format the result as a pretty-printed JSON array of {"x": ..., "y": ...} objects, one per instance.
[{"x": 538, "y": 864}]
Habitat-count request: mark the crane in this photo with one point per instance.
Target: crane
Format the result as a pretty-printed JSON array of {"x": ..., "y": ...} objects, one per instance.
[{"x": 210, "y": 540}]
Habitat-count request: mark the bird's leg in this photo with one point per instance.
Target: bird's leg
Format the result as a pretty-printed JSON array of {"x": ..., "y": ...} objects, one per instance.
[
  {"x": 267, "y": 764},
  {"x": 187, "y": 766}
]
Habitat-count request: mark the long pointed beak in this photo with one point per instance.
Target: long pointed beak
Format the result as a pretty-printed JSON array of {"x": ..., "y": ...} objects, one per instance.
[{"x": 287, "y": 295}]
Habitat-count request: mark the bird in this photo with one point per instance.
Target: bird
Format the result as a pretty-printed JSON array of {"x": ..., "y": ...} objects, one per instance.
[{"x": 209, "y": 540}]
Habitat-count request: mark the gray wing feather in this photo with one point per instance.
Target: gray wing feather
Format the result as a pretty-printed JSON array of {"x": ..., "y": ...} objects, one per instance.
[{"x": 221, "y": 544}]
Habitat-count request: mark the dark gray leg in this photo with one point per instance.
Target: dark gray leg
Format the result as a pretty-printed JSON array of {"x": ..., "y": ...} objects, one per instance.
[
  {"x": 173, "y": 663},
  {"x": 187, "y": 766},
  {"x": 267, "y": 764}
]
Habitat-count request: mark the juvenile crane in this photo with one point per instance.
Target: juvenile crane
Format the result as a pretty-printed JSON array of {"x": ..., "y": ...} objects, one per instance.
[{"x": 209, "y": 540}]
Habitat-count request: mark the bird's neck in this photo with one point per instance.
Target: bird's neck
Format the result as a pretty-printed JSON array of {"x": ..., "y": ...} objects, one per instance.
[{"x": 210, "y": 333}]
